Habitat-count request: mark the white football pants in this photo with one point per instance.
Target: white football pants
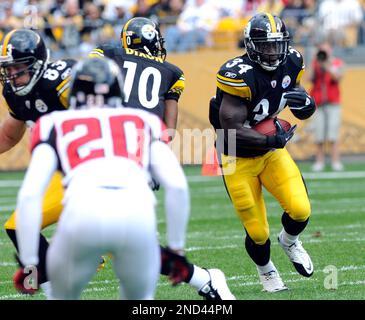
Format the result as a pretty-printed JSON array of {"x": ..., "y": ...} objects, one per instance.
[{"x": 99, "y": 221}]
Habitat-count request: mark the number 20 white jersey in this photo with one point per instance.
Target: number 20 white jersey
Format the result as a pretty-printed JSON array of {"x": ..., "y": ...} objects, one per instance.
[{"x": 114, "y": 141}]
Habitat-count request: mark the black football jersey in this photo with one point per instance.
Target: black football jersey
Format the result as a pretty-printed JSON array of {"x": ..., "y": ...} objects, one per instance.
[
  {"x": 260, "y": 90},
  {"x": 49, "y": 93},
  {"x": 148, "y": 80}
]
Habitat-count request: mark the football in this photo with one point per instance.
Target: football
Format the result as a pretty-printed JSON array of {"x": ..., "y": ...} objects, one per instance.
[{"x": 267, "y": 126}]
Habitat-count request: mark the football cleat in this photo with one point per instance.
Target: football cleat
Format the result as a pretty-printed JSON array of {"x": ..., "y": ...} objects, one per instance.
[
  {"x": 272, "y": 282},
  {"x": 299, "y": 257},
  {"x": 216, "y": 289}
]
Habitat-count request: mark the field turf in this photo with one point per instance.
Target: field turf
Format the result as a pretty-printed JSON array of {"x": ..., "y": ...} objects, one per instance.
[{"x": 334, "y": 238}]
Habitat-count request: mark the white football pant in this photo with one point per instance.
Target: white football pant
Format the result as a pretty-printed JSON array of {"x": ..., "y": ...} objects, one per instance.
[{"x": 99, "y": 221}]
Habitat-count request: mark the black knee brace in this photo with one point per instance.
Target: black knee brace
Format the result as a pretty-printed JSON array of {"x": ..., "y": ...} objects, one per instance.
[
  {"x": 291, "y": 226},
  {"x": 260, "y": 254}
]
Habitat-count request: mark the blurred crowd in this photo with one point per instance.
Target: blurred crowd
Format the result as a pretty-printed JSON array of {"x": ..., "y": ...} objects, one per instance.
[{"x": 74, "y": 27}]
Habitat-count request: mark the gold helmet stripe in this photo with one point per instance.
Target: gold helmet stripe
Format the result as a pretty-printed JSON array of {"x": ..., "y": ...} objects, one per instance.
[
  {"x": 6, "y": 41},
  {"x": 124, "y": 33},
  {"x": 272, "y": 22}
]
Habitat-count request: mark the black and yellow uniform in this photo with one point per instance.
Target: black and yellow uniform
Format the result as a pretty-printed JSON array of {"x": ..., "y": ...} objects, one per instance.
[
  {"x": 48, "y": 94},
  {"x": 149, "y": 80},
  {"x": 249, "y": 169},
  {"x": 260, "y": 90}
]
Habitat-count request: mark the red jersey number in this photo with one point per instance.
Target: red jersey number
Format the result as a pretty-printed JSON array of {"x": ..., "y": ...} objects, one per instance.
[{"x": 117, "y": 127}]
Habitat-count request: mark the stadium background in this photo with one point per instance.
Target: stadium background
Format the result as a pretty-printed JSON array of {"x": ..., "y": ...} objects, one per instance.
[
  {"x": 335, "y": 234},
  {"x": 199, "y": 65}
]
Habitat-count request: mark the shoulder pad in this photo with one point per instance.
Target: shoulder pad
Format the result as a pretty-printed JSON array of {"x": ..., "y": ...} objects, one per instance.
[
  {"x": 174, "y": 68},
  {"x": 56, "y": 78},
  {"x": 57, "y": 72},
  {"x": 234, "y": 78},
  {"x": 96, "y": 53},
  {"x": 295, "y": 59},
  {"x": 104, "y": 50}
]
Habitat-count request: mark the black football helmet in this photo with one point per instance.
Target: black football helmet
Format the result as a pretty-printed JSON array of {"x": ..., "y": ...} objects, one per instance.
[
  {"x": 23, "y": 47},
  {"x": 143, "y": 35},
  {"x": 266, "y": 40},
  {"x": 96, "y": 83}
]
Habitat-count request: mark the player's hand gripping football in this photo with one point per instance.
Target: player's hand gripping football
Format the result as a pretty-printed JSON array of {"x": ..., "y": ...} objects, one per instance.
[
  {"x": 282, "y": 137},
  {"x": 176, "y": 264},
  {"x": 26, "y": 279}
]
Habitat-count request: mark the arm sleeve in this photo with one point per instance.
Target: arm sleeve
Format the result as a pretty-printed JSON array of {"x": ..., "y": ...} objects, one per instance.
[
  {"x": 29, "y": 215},
  {"x": 176, "y": 89},
  {"x": 167, "y": 170}
]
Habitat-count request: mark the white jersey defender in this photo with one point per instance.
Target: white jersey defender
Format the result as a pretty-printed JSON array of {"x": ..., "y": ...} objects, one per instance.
[{"x": 107, "y": 156}]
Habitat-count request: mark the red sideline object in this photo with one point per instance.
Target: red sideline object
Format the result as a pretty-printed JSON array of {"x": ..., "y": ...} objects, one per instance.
[{"x": 210, "y": 165}]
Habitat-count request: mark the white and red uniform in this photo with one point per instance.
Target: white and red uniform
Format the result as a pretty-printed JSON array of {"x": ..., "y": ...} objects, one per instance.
[{"x": 108, "y": 156}]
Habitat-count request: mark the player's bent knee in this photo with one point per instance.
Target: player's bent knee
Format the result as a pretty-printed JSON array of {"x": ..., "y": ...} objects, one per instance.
[
  {"x": 257, "y": 232},
  {"x": 300, "y": 211}
]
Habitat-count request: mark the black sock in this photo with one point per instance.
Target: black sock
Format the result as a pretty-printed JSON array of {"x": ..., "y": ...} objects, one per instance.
[
  {"x": 43, "y": 247},
  {"x": 291, "y": 226},
  {"x": 260, "y": 254}
]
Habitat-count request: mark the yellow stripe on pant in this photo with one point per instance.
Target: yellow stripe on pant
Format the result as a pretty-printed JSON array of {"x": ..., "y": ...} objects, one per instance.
[
  {"x": 278, "y": 173},
  {"x": 52, "y": 204}
]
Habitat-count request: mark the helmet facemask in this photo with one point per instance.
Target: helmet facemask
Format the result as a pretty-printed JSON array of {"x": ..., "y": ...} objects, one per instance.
[
  {"x": 267, "y": 41},
  {"x": 158, "y": 49},
  {"x": 35, "y": 68},
  {"x": 269, "y": 52}
]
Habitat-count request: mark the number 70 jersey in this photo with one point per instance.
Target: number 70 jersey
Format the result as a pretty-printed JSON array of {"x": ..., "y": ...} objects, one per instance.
[
  {"x": 115, "y": 141},
  {"x": 148, "y": 80}
]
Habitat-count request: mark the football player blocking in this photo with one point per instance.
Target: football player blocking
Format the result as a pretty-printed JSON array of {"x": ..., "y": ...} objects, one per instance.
[
  {"x": 46, "y": 87},
  {"x": 251, "y": 88},
  {"x": 32, "y": 87},
  {"x": 102, "y": 212}
]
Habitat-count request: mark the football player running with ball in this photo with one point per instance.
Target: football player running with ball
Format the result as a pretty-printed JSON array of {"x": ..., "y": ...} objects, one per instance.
[
  {"x": 251, "y": 88},
  {"x": 32, "y": 86},
  {"x": 155, "y": 85}
]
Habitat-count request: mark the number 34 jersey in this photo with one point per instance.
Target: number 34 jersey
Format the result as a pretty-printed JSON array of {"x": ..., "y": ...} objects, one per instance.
[
  {"x": 149, "y": 80},
  {"x": 49, "y": 93},
  {"x": 115, "y": 140},
  {"x": 261, "y": 91}
]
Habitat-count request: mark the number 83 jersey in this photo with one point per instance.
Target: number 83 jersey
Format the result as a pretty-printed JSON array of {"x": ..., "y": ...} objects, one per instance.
[
  {"x": 49, "y": 94},
  {"x": 260, "y": 90}
]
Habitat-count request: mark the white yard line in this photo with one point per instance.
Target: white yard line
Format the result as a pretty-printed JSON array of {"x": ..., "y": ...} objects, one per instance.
[
  {"x": 248, "y": 280},
  {"x": 10, "y": 183}
]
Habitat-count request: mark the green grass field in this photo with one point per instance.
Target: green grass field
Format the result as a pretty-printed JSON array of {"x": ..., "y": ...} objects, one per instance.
[{"x": 334, "y": 237}]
